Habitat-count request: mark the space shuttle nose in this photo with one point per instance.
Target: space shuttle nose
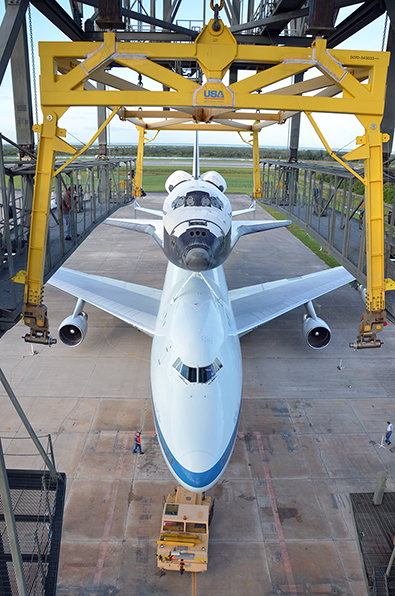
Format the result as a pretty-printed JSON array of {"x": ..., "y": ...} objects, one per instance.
[
  {"x": 197, "y": 245},
  {"x": 197, "y": 259}
]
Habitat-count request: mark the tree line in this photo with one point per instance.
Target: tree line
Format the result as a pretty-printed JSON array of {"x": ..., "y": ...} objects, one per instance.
[{"x": 213, "y": 151}]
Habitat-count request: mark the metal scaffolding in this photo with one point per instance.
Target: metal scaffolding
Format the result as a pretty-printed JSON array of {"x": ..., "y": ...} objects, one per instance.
[{"x": 31, "y": 515}]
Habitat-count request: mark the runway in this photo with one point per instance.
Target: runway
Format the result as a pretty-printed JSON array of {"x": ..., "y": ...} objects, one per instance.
[{"x": 310, "y": 424}]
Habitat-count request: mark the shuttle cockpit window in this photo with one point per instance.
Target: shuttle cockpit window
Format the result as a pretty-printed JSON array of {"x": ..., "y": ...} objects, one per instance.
[
  {"x": 202, "y": 374},
  {"x": 197, "y": 198}
]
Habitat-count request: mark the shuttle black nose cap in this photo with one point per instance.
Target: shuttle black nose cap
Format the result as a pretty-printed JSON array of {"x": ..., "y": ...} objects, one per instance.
[{"x": 197, "y": 259}]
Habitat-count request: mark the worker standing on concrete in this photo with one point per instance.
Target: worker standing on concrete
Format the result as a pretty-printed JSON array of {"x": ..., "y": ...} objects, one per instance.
[
  {"x": 388, "y": 433},
  {"x": 137, "y": 443}
]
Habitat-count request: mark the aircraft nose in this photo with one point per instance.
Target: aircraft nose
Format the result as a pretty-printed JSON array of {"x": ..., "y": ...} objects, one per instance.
[
  {"x": 198, "y": 461},
  {"x": 197, "y": 259}
]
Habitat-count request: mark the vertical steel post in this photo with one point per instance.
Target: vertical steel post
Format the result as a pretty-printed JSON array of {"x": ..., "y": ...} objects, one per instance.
[
  {"x": 101, "y": 117},
  {"x": 381, "y": 482},
  {"x": 93, "y": 195},
  {"x": 59, "y": 199},
  {"x": 6, "y": 216},
  {"x": 257, "y": 193},
  {"x": 11, "y": 527},
  {"x": 138, "y": 177},
  {"x": 295, "y": 128},
  {"x": 22, "y": 91}
]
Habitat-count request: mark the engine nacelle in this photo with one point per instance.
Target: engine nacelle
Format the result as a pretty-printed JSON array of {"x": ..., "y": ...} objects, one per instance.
[
  {"x": 316, "y": 332},
  {"x": 73, "y": 329}
]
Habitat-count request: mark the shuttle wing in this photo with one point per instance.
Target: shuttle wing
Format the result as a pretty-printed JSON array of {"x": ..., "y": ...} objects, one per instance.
[
  {"x": 241, "y": 228},
  {"x": 134, "y": 304},
  {"x": 255, "y": 305},
  {"x": 154, "y": 227}
]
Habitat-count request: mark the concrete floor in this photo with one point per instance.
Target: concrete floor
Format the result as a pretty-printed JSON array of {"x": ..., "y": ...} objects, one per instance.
[{"x": 308, "y": 435}]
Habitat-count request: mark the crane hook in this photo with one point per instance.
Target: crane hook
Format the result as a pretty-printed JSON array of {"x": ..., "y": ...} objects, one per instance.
[{"x": 216, "y": 8}]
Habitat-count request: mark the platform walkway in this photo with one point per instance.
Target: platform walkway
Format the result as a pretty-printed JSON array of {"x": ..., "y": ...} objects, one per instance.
[{"x": 310, "y": 424}]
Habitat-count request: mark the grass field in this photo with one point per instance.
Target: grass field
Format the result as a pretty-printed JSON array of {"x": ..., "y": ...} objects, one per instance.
[{"x": 239, "y": 180}]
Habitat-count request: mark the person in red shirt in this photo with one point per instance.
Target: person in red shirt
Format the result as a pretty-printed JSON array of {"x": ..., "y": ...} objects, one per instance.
[{"x": 137, "y": 443}]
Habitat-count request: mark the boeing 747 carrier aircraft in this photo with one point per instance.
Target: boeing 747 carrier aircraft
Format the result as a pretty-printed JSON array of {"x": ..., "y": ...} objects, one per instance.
[{"x": 195, "y": 322}]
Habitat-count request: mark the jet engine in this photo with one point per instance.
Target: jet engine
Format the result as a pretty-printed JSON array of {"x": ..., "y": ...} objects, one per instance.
[
  {"x": 72, "y": 330},
  {"x": 316, "y": 332}
]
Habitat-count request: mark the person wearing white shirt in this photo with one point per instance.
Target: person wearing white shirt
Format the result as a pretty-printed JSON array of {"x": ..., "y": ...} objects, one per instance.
[{"x": 388, "y": 433}]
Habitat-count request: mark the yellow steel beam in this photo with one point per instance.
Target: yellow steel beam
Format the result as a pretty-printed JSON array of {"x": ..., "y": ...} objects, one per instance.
[
  {"x": 357, "y": 98},
  {"x": 158, "y": 73},
  {"x": 209, "y": 127},
  {"x": 93, "y": 139},
  {"x": 332, "y": 153},
  {"x": 199, "y": 115}
]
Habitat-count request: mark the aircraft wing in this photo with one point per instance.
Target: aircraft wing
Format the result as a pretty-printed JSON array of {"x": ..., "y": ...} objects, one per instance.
[
  {"x": 154, "y": 227},
  {"x": 134, "y": 304},
  {"x": 241, "y": 228},
  {"x": 255, "y": 305}
]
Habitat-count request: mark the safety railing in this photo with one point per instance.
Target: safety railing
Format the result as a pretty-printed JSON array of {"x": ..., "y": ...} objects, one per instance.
[
  {"x": 322, "y": 200},
  {"x": 98, "y": 188}
]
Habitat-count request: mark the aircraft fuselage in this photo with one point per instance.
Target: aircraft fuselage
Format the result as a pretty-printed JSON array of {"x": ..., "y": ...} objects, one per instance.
[{"x": 196, "y": 376}]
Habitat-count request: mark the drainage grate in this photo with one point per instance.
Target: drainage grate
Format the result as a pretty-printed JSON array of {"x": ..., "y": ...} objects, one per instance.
[
  {"x": 383, "y": 585},
  {"x": 37, "y": 502},
  {"x": 375, "y": 526}
]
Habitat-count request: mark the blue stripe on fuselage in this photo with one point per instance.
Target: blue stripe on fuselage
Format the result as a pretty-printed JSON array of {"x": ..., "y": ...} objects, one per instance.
[{"x": 196, "y": 479}]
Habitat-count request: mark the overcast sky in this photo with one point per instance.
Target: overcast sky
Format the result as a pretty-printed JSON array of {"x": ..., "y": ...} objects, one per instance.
[{"x": 339, "y": 130}]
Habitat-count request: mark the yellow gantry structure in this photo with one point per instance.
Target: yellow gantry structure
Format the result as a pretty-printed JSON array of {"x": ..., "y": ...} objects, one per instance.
[{"x": 339, "y": 81}]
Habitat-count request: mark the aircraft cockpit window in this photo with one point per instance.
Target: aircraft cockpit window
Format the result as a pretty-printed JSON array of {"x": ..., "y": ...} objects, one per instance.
[
  {"x": 178, "y": 364},
  {"x": 217, "y": 365},
  {"x": 197, "y": 198},
  {"x": 202, "y": 374},
  {"x": 178, "y": 202},
  {"x": 216, "y": 202},
  {"x": 206, "y": 373},
  {"x": 189, "y": 373}
]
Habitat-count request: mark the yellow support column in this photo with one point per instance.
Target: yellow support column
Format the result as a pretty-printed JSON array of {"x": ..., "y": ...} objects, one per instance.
[
  {"x": 257, "y": 194},
  {"x": 33, "y": 311},
  {"x": 138, "y": 177},
  {"x": 370, "y": 150}
]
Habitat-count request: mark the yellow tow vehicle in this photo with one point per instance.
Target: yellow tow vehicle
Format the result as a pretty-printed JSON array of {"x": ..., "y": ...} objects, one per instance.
[{"x": 183, "y": 540}]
